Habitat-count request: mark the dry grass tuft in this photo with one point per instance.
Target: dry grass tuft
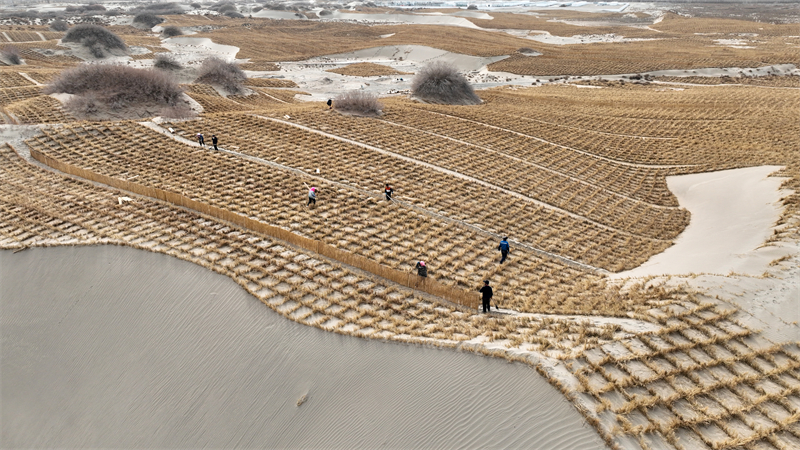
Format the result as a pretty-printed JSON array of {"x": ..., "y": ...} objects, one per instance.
[
  {"x": 358, "y": 103},
  {"x": 441, "y": 83}
]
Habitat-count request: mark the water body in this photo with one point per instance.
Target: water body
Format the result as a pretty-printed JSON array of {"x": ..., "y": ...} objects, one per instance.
[{"x": 110, "y": 346}]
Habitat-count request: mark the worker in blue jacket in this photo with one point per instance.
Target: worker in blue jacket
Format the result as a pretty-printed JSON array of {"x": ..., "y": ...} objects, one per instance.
[{"x": 504, "y": 249}]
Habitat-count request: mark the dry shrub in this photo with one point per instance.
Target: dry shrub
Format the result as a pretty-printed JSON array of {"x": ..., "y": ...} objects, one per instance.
[
  {"x": 171, "y": 31},
  {"x": 164, "y": 61},
  {"x": 234, "y": 15},
  {"x": 10, "y": 54},
  {"x": 439, "y": 82},
  {"x": 224, "y": 7},
  {"x": 94, "y": 37},
  {"x": 358, "y": 103},
  {"x": 116, "y": 87},
  {"x": 229, "y": 76},
  {"x": 147, "y": 19},
  {"x": 59, "y": 25}
]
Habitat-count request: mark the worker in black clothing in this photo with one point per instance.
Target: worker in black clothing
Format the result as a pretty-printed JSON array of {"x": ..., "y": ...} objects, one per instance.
[
  {"x": 388, "y": 191},
  {"x": 330, "y": 104},
  {"x": 214, "y": 141},
  {"x": 422, "y": 269},
  {"x": 486, "y": 292}
]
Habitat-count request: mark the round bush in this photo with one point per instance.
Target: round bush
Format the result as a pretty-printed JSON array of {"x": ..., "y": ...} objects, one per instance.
[
  {"x": 441, "y": 83},
  {"x": 11, "y": 55},
  {"x": 164, "y": 61},
  {"x": 59, "y": 25},
  {"x": 226, "y": 75},
  {"x": 233, "y": 15},
  {"x": 147, "y": 19},
  {"x": 95, "y": 38},
  {"x": 117, "y": 87},
  {"x": 171, "y": 31}
]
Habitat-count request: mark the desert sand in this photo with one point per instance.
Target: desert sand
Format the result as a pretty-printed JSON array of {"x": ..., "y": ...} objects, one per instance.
[{"x": 107, "y": 346}]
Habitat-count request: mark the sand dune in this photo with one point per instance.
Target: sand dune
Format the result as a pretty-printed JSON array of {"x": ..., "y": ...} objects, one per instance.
[{"x": 115, "y": 347}]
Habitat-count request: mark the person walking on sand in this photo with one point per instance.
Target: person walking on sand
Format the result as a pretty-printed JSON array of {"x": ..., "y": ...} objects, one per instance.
[
  {"x": 422, "y": 269},
  {"x": 214, "y": 141},
  {"x": 388, "y": 191},
  {"x": 312, "y": 196},
  {"x": 330, "y": 104},
  {"x": 201, "y": 140},
  {"x": 486, "y": 293},
  {"x": 504, "y": 249}
]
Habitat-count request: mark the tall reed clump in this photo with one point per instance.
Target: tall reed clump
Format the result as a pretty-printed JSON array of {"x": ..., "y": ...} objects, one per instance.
[
  {"x": 440, "y": 82},
  {"x": 10, "y": 55},
  {"x": 95, "y": 38},
  {"x": 116, "y": 88},
  {"x": 358, "y": 103},
  {"x": 228, "y": 76}
]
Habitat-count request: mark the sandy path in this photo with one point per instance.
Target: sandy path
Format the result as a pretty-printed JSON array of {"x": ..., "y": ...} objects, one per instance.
[
  {"x": 457, "y": 175},
  {"x": 28, "y": 77},
  {"x": 582, "y": 152},
  {"x": 379, "y": 196},
  {"x": 528, "y": 163},
  {"x": 108, "y": 346},
  {"x": 733, "y": 212}
]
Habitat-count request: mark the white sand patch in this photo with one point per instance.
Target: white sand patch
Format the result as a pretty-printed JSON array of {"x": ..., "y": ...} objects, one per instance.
[
  {"x": 285, "y": 15},
  {"x": 415, "y": 19},
  {"x": 413, "y": 56},
  {"x": 547, "y": 38},
  {"x": 733, "y": 43},
  {"x": 470, "y": 14},
  {"x": 733, "y": 212},
  {"x": 777, "y": 69},
  {"x": 312, "y": 75},
  {"x": 187, "y": 50}
]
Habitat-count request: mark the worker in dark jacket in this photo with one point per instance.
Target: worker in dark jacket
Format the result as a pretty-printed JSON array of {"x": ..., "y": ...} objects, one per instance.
[
  {"x": 214, "y": 141},
  {"x": 422, "y": 269},
  {"x": 504, "y": 249},
  {"x": 486, "y": 293},
  {"x": 388, "y": 191}
]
